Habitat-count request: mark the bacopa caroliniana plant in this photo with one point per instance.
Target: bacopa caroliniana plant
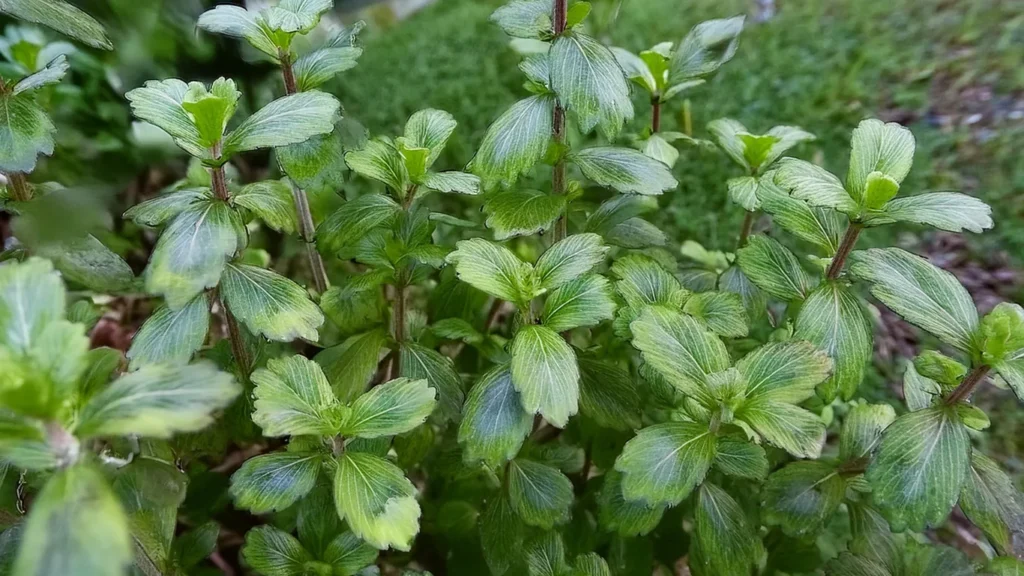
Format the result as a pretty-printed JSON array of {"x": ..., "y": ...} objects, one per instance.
[{"x": 473, "y": 397}]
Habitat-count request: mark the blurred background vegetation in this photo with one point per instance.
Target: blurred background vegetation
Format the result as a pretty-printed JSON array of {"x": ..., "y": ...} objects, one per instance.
[{"x": 951, "y": 70}]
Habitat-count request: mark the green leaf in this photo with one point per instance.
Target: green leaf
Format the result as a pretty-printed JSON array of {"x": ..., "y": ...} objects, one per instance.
[
  {"x": 833, "y": 319},
  {"x": 291, "y": 16},
  {"x": 624, "y": 170},
  {"x": 863, "y": 428},
  {"x": 545, "y": 555},
  {"x": 316, "y": 165},
  {"x": 377, "y": 500},
  {"x": 814, "y": 185},
  {"x": 920, "y": 292},
  {"x": 664, "y": 462},
  {"x": 735, "y": 281},
  {"x": 774, "y": 269},
  {"x": 785, "y": 138},
  {"x": 493, "y": 269},
  {"x": 354, "y": 219},
  {"x": 944, "y": 210},
  {"x": 878, "y": 147},
  {"x": 642, "y": 281},
  {"x": 784, "y": 371},
  {"x": 196, "y": 545},
  {"x": 293, "y": 398},
  {"x": 419, "y": 362},
  {"x": 60, "y": 16},
  {"x": 287, "y": 120},
  {"x": 569, "y": 259},
  {"x": 991, "y": 502},
  {"x": 271, "y": 201},
  {"x": 743, "y": 191},
  {"x": 1006, "y": 566},
  {"x": 627, "y": 517},
  {"x": 355, "y": 304},
  {"x": 635, "y": 69},
  {"x": 540, "y": 495},
  {"x": 525, "y": 18},
  {"x": 158, "y": 401},
  {"x": 170, "y": 337},
  {"x": 737, "y": 456},
  {"x": 635, "y": 233},
  {"x": 27, "y": 132},
  {"x": 390, "y": 409},
  {"x": 156, "y": 211},
  {"x": 192, "y": 252},
  {"x": 590, "y": 83},
  {"x": 1000, "y": 337},
  {"x": 272, "y": 552},
  {"x": 430, "y": 129},
  {"x": 516, "y": 141},
  {"x": 679, "y": 348},
  {"x": 608, "y": 395},
  {"x": 494, "y": 423},
  {"x": 722, "y": 312},
  {"x": 658, "y": 147},
  {"x": 879, "y": 190},
  {"x": 724, "y": 542},
  {"x": 350, "y": 365},
  {"x": 347, "y": 554},
  {"x": 522, "y": 212},
  {"x": 211, "y": 108},
  {"x": 449, "y": 182},
  {"x": 501, "y": 534},
  {"x": 705, "y": 49},
  {"x": 918, "y": 391},
  {"x": 25, "y": 443},
  {"x": 802, "y": 497},
  {"x": 88, "y": 262},
  {"x": 159, "y": 102},
  {"x": 270, "y": 304},
  {"x": 52, "y": 73},
  {"x": 238, "y": 22},
  {"x": 577, "y": 13},
  {"x": 726, "y": 133},
  {"x": 545, "y": 373},
  {"x": 789, "y": 427},
  {"x": 275, "y": 481},
  {"x": 820, "y": 226},
  {"x": 919, "y": 468},
  {"x": 76, "y": 527},
  {"x": 319, "y": 66}
]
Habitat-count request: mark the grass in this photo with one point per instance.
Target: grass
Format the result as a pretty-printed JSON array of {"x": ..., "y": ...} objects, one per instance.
[{"x": 823, "y": 65}]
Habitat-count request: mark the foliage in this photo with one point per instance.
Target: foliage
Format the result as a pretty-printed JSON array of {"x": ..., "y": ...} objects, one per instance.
[{"x": 466, "y": 396}]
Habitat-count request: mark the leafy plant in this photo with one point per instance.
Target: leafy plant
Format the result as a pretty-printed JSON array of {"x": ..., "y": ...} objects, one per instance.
[{"x": 464, "y": 395}]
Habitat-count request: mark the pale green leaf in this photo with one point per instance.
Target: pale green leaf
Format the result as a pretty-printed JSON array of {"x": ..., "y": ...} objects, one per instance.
[
  {"x": 525, "y": 18},
  {"x": 590, "y": 83},
  {"x": 944, "y": 210},
  {"x": 158, "y": 401},
  {"x": 754, "y": 300},
  {"x": 419, "y": 362},
  {"x": 862, "y": 429},
  {"x": 1006, "y": 566},
  {"x": 354, "y": 219},
  {"x": 774, "y": 269},
  {"x": 743, "y": 191},
  {"x": 522, "y": 212},
  {"x": 293, "y": 398},
  {"x": 619, "y": 209},
  {"x": 920, "y": 292},
  {"x": 814, "y": 185},
  {"x": 802, "y": 497},
  {"x": 237, "y": 22},
  {"x": 76, "y": 526},
  {"x": 291, "y": 16},
  {"x": 659, "y": 148},
  {"x": 635, "y": 233},
  {"x": 789, "y": 427},
  {"x": 26, "y": 132},
  {"x": 273, "y": 552},
  {"x": 682, "y": 350},
  {"x": 493, "y": 269},
  {"x": 919, "y": 468},
  {"x": 545, "y": 373},
  {"x": 156, "y": 211},
  {"x": 430, "y": 129},
  {"x": 317, "y": 164},
  {"x": 192, "y": 252},
  {"x": 349, "y": 366},
  {"x": 171, "y": 337},
  {"x": 52, "y": 73},
  {"x": 643, "y": 280},
  {"x": 583, "y": 302},
  {"x": 540, "y": 494},
  {"x": 627, "y": 517},
  {"x": 494, "y": 423},
  {"x": 390, "y": 409},
  {"x": 287, "y": 120},
  {"x": 664, "y": 462},
  {"x": 271, "y": 201},
  {"x": 625, "y": 170},
  {"x": 784, "y": 371},
  {"x": 609, "y": 395},
  {"x": 452, "y": 182},
  {"x": 726, "y": 133},
  {"x": 356, "y": 303},
  {"x": 380, "y": 160},
  {"x": 24, "y": 443},
  {"x": 705, "y": 49},
  {"x": 159, "y": 102},
  {"x": 377, "y": 500},
  {"x": 569, "y": 259},
  {"x": 822, "y": 227},
  {"x": 918, "y": 391},
  {"x": 991, "y": 502},
  {"x": 347, "y": 554},
  {"x": 275, "y": 481},
  {"x": 878, "y": 146},
  {"x": 31, "y": 297},
  {"x": 737, "y": 456},
  {"x": 545, "y": 555},
  {"x": 60, "y": 16},
  {"x": 636, "y": 69},
  {"x": 724, "y": 542},
  {"x": 722, "y": 312},
  {"x": 319, "y": 66},
  {"x": 833, "y": 319},
  {"x": 516, "y": 141},
  {"x": 270, "y": 304},
  {"x": 88, "y": 262},
  {"x": 785, "y": 137}
]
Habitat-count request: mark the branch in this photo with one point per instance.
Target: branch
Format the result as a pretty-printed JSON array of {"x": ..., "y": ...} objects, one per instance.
[
  {"x": 558, "y": 132},
  {"x": 849, "y": 240},
  {"x": 968, "y": 384}
]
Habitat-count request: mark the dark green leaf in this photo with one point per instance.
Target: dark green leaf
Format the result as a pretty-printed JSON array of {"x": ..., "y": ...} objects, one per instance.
[
  {"x": 590, "y": 83},
  {"x": 624, "y": 170},
  {"x": 522, "y": 212},
  {"x": 494, "y": 423},
  {"x": 774, "y": 269},
  {"x": 419, "y": 362},
  {"x": 802, "y": 496},
  {"x": 833, "y": 319},
  {"x": 540, "y": 495},
  {"x": 293, "y": 398},
  {"x": 724, "y": 540}
]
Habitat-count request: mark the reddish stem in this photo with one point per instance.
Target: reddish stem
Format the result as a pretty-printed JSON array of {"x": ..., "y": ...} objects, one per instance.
[{"x": 849, "y": 240}]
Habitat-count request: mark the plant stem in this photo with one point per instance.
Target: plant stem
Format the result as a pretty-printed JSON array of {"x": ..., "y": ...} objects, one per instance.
[
  {"x": 558, "y": 132},
  {"x": 655, "y": 114},
  {"x": 968, "y": 384},
  {"x": 492, "y": 314},
  {"x": 19, "y": 186},
  {"x": 220, "y": 189},
  {"x": 307, "y": 229},
  {"x": 853, "y": 467},
  {"x": 398, "y": 302},
  {"x": 845, "y": 247},
  {"x": 748, "y": 224},
  {"x": 687, "y": 118}
]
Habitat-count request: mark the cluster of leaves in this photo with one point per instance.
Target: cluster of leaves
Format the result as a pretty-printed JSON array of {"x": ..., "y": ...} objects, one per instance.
[{"x": 499, "y": 404}]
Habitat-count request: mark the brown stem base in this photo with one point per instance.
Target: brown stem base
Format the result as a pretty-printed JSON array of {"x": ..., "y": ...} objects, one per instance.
[
  {"x": 967, "y": 385},
  {"x": 845, "y": 247},
  {"x": 748, "y": 225}
]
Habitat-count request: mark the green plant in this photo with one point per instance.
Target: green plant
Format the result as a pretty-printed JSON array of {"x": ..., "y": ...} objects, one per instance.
[{"x": 579, "y": 406}]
